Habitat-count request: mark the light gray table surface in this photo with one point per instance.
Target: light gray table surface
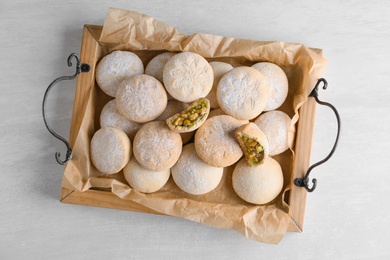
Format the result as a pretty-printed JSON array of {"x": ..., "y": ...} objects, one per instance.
[{"x": 347, "y": 216}]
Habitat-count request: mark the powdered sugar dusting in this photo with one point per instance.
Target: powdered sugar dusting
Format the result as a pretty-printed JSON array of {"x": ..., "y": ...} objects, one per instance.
[
  {"x": 243, "y": 93},
  {"x": 219, "y": 69},
  {"x": 275, "y": 125},
  {"x": 110, "y": 150},
  {"x": 278, "y": 83},
  {"x": 110, "y": 117},
  {"x": 115, "y": 67},
  {"x": 215, "y": 141},
  {"x": 155, "y": 67},
  {"x": 156, "y": 147},
  {"x": 194, "y": 176},
  {"x": 188, "y": 76},
  {"x": 260, "y": 184},
  {"x": 144, "y": 180},
  {"x": 141, "y": 98}
]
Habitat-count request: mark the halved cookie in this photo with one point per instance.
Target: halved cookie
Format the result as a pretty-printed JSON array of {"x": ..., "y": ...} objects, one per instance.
[
  {"x": 191, "y": 118},
  {"x": 253, "y": 143}
]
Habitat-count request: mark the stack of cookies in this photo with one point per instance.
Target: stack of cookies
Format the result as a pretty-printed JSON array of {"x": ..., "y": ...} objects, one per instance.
[{"x": 190, "y": 118}]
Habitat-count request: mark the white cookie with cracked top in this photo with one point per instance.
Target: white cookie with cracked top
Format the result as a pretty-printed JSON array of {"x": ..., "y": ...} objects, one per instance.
[
  {"x": 278, "y": 83},
  {"x": 243, "y": 93},
  {"x": 110, "y": 150},
  {"x": 193, "y": 175},
  {"x": 115, "y": 67},
  {"x": 188, "y": 76},
  {"x": 141, "y": 98}
]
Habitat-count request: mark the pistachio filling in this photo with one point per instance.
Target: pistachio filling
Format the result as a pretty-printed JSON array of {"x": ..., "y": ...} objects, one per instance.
[
  {"x": 193, "y": 114},
  {"x": 253, "y": 150}
]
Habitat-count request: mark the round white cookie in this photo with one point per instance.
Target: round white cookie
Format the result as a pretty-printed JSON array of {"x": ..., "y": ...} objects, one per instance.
[
  {"x": 219, "y": 69},
  {"x": 141, "y": 98},
  {"x": 194, "y": 176},
  {"x": 260, "y": 184},
  {"x": 144, "y": 180},
  {"x": 188, "y": 76},
  {"x": 110, "y": 150},
  {"x": 243, "y": 93},
  {"x": 156, "y": 65},
  {"x": 275, "y": 125},
  {"x": 156, "y": 147},
  {"x": 215, "y": 141},
  {"x": 115, "y": 67},
  {"x": 278, "y": 83},
  {"x": 111, "y": 117}
]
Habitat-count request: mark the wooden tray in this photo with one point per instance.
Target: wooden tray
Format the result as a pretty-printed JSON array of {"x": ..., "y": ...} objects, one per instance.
[{"x": 90, "y": 53}]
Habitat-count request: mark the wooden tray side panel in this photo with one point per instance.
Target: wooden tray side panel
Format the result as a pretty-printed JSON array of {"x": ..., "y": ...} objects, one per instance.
[
  {"x": 303, "y": 146},
  {"x": 90, "y": 52}
]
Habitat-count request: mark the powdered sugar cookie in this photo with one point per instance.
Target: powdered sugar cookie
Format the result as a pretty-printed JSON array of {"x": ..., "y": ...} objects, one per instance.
[
  {"x": 278, "y": 83},
  {"x": 219, "y": 69},
  {"x": 275, "y": 125},
  {"x": 144, "y": 180},
  {"x": 156, "y": 65},
  {"x": 258, "y": 185},
  {"x": 111, "y": 117},
  {"x": 193, "y": 175},
  {"x": 215, "y": 142},
  {"x": 141, "y": 98},
  {"x": 156, "y": 147},
  {"x": 188, "y": 76},
  {"x": 243, "y": 93},
  {"x": 115, "y": 67},
  {"x": 110, "y": 150}
]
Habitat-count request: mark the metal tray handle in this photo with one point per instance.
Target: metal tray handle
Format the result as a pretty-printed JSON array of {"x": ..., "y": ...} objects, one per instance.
[
  {"x": 79, "y": 68},
  {"x": 304, "y": 182}
]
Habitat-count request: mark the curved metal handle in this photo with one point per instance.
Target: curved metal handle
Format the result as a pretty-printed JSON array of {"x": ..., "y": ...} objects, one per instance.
[
  {"x": 304, "y": 182},
  {"x": 79, "y": 68}
]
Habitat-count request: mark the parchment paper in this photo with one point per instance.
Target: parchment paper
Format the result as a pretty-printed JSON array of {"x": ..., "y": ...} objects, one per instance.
[{"x": 221, "y": 208}]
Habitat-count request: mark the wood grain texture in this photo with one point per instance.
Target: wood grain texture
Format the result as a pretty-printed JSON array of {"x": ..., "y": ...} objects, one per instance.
[{"x": 346, "y": 217}]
